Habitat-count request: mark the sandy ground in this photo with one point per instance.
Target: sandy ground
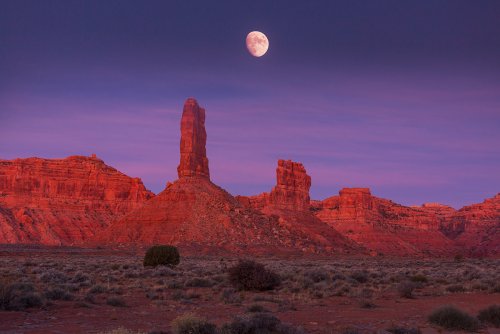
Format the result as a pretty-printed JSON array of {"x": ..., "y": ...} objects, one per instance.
[{"x": 320, "y": 295}]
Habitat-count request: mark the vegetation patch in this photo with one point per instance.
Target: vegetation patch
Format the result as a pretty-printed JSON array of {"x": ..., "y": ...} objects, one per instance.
[
  {"x": 452, "y": 318},
  {"x": 250, "y": 275},
  {"x": 490, "y": 315},
  {"x": 162, "y": 255}
]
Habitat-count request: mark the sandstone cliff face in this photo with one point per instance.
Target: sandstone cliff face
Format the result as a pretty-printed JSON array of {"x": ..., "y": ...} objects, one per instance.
[
  {"x": 382, "y": 225},
  {"x": 292, "y": 187},
  {"x": 63, "y": 201},
  {"x": 290, "y": 193},
  {"x": 476, "y": 227},
  {"x": 193, "y": 160}
]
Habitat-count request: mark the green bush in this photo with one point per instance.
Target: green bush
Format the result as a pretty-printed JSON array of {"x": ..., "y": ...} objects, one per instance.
[
  {"x": 162, "y": 255},
  {"x": 490, "y": 315},
  {"x": 250, "y": 275},
  {"x": 191, "y": 324},
  {"x": 452, "y": 318}
]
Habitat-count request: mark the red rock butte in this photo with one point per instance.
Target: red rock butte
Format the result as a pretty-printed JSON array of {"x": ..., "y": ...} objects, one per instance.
[{"x": 63, "y": 201}]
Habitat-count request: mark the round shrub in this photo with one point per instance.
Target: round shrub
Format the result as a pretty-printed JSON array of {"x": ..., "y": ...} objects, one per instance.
[
  {"x": 452, "y": 318},
  {"x": 490, "y": 315},
  {"x": 191, "y": 324},
  {"x": 250, "y": 275},
  {"x": 162, "y": 255}
]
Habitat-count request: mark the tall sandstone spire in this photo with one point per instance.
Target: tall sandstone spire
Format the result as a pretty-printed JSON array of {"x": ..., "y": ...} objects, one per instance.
[{"x": 194, "y": 160}]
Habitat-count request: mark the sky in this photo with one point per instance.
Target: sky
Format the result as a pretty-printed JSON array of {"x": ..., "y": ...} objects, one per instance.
[{"x": 402, "y": 97}]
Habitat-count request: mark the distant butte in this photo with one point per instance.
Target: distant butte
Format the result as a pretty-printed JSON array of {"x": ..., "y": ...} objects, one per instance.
[{"x": 63, "y": 201}]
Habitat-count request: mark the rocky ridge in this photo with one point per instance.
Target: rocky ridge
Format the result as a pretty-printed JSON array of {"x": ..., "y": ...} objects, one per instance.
[{"x": 63, "y": 201}]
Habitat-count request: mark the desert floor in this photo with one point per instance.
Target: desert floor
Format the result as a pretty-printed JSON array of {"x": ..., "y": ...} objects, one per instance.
[{"x": 93, "y": 291}]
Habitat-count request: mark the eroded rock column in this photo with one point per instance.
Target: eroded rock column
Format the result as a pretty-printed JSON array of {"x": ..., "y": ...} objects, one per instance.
[{"x": 194, "y": 160}]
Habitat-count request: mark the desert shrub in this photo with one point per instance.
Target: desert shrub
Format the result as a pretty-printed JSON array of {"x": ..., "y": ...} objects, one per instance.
[
  {"x": 250, "y": 275},
  {"x": 349, "y": 330},
  {"x": 317, "y": 275},
  {"x": 162, "y": 255},
  {"x": 115, "y": 266},
  {"x": 97, "y": 289},
  {"x": 231, "y": 296},
  {"x": 360, "y": 276},
  {"x": 18, "y": 296},
  {"x": 122, "y": 330},
  {"x": 162, "y": 271},
  {"x": 403, "y": 330},
  {"x": 191, "y": 324},
  {"x": 405, "y": 289},
  {"x": 254, "y": 308},
  {"x": 80, "y": 278},
  {"x": 58, "y": 294},
  {"x": 259, "y": 323},
  {"x": 452, "y": 318},
  {"x": 198, "y": 282},
  {"x": 419, "y": 278},
  {"x": 455, "y": 288},
  {"x": 116, "y": 301},
  {"x": 367, "y": 304},
  {"x": 90, "y": 298},
  {"x": 53, "y": 277},
  {"x": 490, "y": 315}
]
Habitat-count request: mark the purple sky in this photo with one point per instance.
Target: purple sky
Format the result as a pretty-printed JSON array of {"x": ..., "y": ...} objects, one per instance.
[{"x": 401, "y": 98}]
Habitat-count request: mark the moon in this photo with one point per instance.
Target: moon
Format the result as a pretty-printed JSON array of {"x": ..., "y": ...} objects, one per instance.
[{"x": 257, "y": 43}]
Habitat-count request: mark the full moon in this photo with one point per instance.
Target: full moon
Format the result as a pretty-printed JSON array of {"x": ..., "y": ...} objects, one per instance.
[{"x": 257, "y": 43}]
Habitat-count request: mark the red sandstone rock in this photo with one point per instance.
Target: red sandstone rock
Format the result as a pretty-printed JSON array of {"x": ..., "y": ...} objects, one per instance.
[
  {"x": 194, "y": 160},
  {"x": 289, "y": 200},
  {"x": 382, "y": 225},
  {"x": 476, "y": 228},
  {"x": 62, "y": 201},
  {"x": 193, "y": 210},
  {"x": 290, "y": 193},
  {"x": 292, "y": 187}
]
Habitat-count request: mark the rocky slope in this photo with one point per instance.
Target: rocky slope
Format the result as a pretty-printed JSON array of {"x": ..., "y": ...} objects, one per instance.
[
  {"x": 476, "y": 227},
  {"x": 63, "y": 201},
  {"x": 289, "y": 200},
  {"x": 384, "y": 226},
  {"x": 431, "y": 229}
]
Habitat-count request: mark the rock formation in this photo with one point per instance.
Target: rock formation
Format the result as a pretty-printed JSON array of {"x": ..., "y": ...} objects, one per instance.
[
  {"x": 292, "y": 187},
  {"x": 194, "y": 160},
  {"x": 382, "y": 225},
  {"x": 476, "y": 227},
  {"x": 289, "y": 200},
  {"x": 80, "y": 200},
  {"x": 194, "y": 211},
  {"x": 290, "y": 193},
  {"x": 63, "y": 201}
]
